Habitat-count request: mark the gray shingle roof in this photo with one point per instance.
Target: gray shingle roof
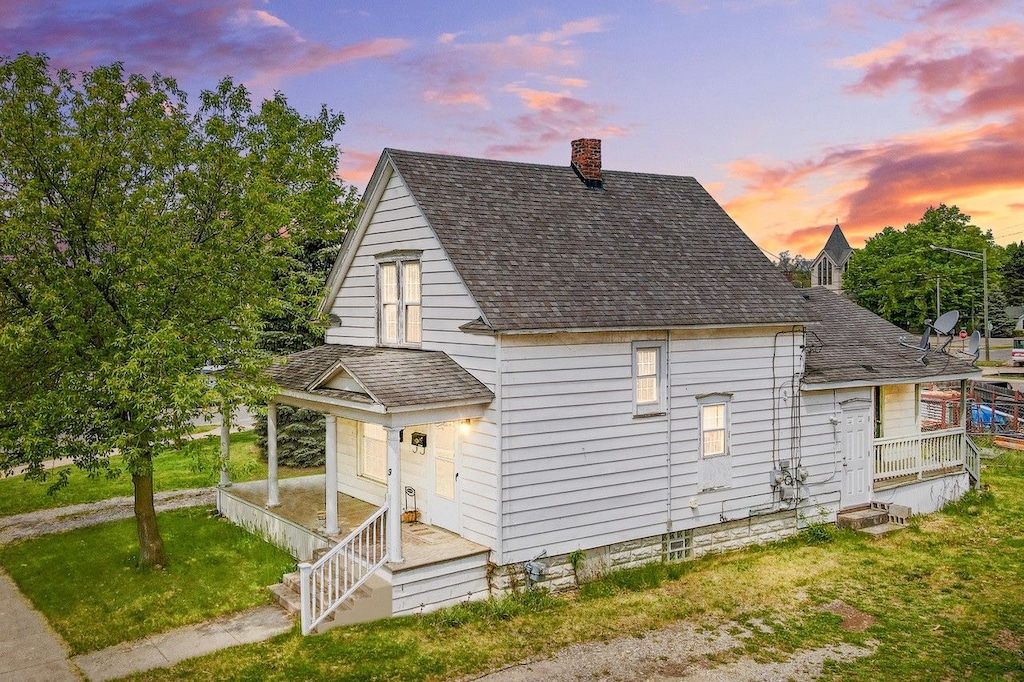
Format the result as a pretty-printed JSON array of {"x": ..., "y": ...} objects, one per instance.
[
  {"x": 852, "y": 344},
  {"x": 394, "y": 377},
  {"x": 538, "y": 250},
  {"x": 837, "y": 248}
]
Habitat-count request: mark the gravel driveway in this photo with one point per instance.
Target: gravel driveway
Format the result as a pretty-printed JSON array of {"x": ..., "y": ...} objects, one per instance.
[{"x": 61, "y": 519}]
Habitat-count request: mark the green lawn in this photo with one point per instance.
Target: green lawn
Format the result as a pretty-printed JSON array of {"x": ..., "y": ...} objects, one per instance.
[
  {"x": 194, "y": 466},
  {"x": 87, "y": 584},
  {"x": 946, "y": 592}
]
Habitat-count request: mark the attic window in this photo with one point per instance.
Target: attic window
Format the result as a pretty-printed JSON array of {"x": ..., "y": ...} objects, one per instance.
[{"x": 399, "y": 320}]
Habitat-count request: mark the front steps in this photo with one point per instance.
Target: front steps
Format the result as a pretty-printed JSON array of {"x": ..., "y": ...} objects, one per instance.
[
  {"x": 876, "y": 519},
  {"x": 372, "y": 601}
]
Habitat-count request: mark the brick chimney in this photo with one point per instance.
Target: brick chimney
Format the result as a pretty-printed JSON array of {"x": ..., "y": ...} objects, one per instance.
[{"x": 586, "y": 161}]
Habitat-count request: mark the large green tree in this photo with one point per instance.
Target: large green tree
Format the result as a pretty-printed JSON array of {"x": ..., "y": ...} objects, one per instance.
[
  {"x": 895, "y": 274},
  {"x": 139, "y": 240},
  {"x": 1013, "y": 274}
]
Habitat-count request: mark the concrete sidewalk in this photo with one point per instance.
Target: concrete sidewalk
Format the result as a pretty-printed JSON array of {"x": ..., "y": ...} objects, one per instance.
[
  {"x": 29, "y": 650},
  {"x": 168, "y": 648}
]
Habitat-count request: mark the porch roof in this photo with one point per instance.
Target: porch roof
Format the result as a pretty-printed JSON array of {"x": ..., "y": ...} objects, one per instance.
[
  {"x": 853, "y": 346},
  {"x": 391, "y": 377}
]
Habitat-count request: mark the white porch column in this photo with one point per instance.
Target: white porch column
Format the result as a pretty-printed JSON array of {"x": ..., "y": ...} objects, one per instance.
[
  {"x": 331, "y": 452},
  {"x": 394, "y": 495},
  {"x": 225, "y": 445},
  {"x": 273, "y": 499}
]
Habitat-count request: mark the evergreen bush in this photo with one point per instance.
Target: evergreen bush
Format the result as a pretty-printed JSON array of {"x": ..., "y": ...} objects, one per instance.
[{"x": 301, "y": 437}]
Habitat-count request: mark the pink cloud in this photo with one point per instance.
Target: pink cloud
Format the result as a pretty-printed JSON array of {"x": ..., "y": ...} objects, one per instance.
[
  {"x": 458, "y": 73},
  {"x": 356, "y": 166},
  {"x": 184, "y": 38}
]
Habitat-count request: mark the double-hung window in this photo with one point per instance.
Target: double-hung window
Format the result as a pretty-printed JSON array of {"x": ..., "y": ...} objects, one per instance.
[
  {"x": 714, "y": 429},
  {"x": 398, "y": 292},
  {"x": 649, "y": 378}
]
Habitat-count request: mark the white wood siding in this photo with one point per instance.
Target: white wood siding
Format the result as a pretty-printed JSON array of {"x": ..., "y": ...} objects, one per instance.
[
  {"x": 580, "y": 471},
  {"x": 822, "y": 449},
  {"x": 755, "y": 369},
  {"x": 397, "y": 223},
  {"x": 900, "y": 417},
  {"x": 434, "y": 586}
]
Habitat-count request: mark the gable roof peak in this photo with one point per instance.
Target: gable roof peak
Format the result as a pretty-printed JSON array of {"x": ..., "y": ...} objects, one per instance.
[{"x": 837, "y": 248}]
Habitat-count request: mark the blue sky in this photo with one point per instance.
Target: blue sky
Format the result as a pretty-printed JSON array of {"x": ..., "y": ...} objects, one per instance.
[{"x": 794, "y": 114}]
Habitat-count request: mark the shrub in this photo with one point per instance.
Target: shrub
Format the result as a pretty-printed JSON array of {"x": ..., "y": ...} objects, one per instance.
[{"x": 301, "y": 437}]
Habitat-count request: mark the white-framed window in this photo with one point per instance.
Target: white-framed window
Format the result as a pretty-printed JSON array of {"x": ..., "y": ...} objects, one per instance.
[
  {"x": 649, "y": 377},
  {"x": 713, "y": 418},
  {"x": 714, "y": 429},
  {"x": 372, "y": 459},
  {"x": 399, "y": 291}
]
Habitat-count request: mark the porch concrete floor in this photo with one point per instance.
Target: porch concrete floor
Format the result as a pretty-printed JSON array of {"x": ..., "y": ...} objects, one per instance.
[{"x": 303, "y": 502}]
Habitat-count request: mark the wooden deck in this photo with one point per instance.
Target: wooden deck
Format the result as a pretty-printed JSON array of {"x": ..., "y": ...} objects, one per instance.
[{"x": 302, "y": 503}]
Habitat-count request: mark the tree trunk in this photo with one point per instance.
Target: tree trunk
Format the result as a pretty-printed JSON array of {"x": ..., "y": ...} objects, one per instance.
[{"x": 151, "y": 545}]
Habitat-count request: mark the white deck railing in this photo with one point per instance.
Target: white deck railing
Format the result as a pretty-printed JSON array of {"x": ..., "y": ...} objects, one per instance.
[
  {"x": 325, "y": 584},
  {"x": 973, "y": 464},
  {"x": 919, "y": 455}
]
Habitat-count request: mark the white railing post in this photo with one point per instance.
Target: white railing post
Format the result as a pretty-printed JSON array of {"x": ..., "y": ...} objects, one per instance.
[
  {"x": 331, "y": 492},
  {"x": 305, "y": 596},
  {"x": 273, "y": 496},
  {"x": 394, "y": 521}
]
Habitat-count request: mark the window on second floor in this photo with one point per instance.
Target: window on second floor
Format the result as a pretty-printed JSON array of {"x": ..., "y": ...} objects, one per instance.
[{"x": 398, "y": 292}]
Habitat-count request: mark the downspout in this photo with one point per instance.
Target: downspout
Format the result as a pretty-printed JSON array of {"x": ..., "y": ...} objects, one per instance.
[
  {"x": 499, "y": 428},
  {"x": 668, "y": 430}
]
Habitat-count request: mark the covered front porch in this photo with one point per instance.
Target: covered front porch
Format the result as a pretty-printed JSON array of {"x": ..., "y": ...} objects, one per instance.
[
  {"x": 297, "y": 523},
  {"x": 393, "y": 419}
]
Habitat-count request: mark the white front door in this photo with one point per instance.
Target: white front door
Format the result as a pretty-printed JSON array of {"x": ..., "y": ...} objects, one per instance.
[
  {"x": 444, "y": 489},
  {"x": 858, "y": 460}
]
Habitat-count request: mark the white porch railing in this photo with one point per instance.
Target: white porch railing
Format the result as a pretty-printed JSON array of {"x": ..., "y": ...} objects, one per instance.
[
  {"x": 919, "y": 455},
  {"x": 325, "y": 584},
  {"x": 973, "y": 464}
]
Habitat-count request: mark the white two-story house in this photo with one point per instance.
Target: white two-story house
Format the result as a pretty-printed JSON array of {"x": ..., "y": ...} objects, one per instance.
[{"x": 559, "y": 359}]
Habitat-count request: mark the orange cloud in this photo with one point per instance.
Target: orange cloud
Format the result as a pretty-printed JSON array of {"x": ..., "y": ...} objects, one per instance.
[{"x": 970, "y": 81}]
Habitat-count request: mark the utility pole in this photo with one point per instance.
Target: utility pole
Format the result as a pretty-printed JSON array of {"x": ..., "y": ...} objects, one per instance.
[{"x": 983, "y": 257}]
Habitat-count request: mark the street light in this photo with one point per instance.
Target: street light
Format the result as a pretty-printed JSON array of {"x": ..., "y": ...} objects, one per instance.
[{"x": 983, "y": 257}]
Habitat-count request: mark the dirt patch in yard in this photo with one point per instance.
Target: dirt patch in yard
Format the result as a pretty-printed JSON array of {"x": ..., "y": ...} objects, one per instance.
[
  {"x": 854, "y": 620},
  {"x": 1007, "y": 641},
  {"x": 674, "y": 653}
]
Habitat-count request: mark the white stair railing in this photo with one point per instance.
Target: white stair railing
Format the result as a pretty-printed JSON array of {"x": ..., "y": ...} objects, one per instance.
[
  {"x": 333, "y": 578},
  {"x": 973, "y": 463}
]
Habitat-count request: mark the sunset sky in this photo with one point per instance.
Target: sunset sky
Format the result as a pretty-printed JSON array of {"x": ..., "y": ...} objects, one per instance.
[{"x": 793, "y": 114}]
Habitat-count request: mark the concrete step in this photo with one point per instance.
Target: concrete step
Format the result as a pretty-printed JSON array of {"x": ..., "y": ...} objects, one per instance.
[
  {"x": 286, "y": 599},
  {"x": 371, "y": 601},
  {"x": 882, "y": 529},
  {"x": 860, "y": 519}
]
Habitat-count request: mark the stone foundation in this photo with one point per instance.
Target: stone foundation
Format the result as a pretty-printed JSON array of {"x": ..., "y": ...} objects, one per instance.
[{"x": 559, "y": 574}]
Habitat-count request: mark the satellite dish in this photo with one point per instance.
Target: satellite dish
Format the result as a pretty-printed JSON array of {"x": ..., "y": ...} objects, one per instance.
[
  {"x": 943, "y": 326},
  {"x": 946, "y": 322},
  {"x": 973, "y": 347}
]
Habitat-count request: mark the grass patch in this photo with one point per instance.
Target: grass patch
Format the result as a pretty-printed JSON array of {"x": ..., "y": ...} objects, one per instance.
[
  {"x": 195, "y": 465},
  {"x": 87, "y": 585},
  {"x": 945, "y": 596}
]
